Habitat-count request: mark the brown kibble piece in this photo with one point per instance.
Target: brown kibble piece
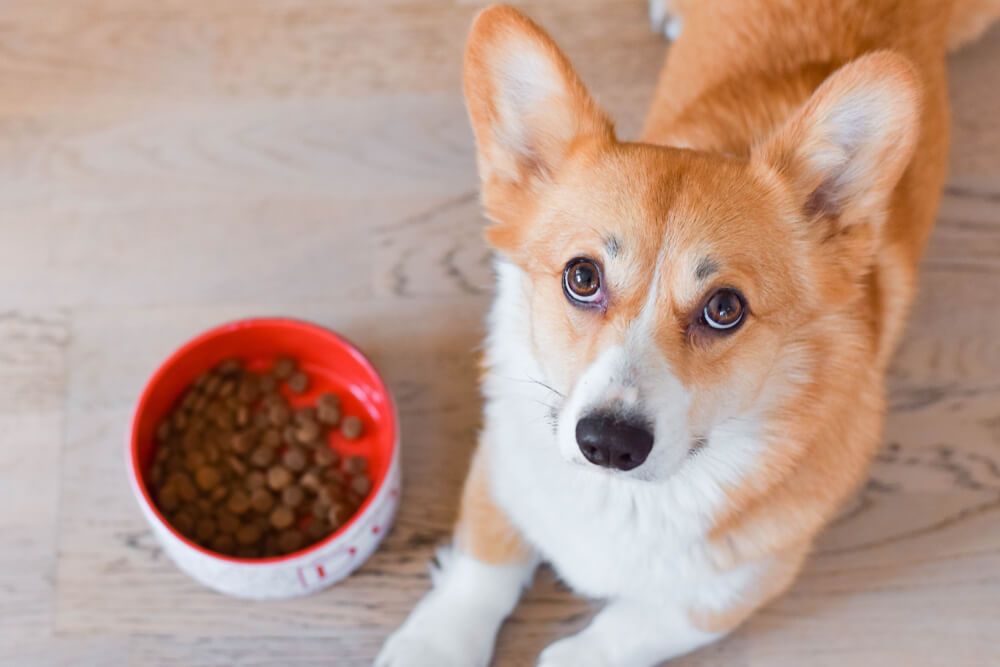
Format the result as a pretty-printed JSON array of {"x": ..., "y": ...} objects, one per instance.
[
  {"x": 211, "y": 385},
  {"x": 261, "y": 500},
  {"x": 290, "y": 540},
  {"x": 355, "y": 465},
  {"x": 194, "y": 460},
  {"x": 227, "y": 521},
  {"x": 292, "y": 495},
  {"x": 242, "y": 416},
  {"x": 227, "y": 389},
  {"x": 338, "y": 514},
  {"x": 248, "y": 389},
  {"x": 295, "y": 459},
  {"x": 241, "y": 443},
  {"x": 278, "y": 477},
  {"x": 230, "y": 367},
  {"x": 320, "y": 509},
  {"x": 163, "y": 432},
  {"x": 351, "y": 427},
  {"x": 283, "y": 368},
  {"x": 331, "y": 493},
  {"x": 361, "y": 485},
  {"x": 179, "y": 421},
  {"x": 238, "y": 503},
  {"x": 224, "y": 544},
  {"x": 327, "y": 399},
  {"x": 207, "y": 478},
  {"x": 317, "y": 529},
  {"x": 326, "y": 457},
  {"x": 304, "y": 414},
  {"x": 185, "y": 488},
  {"x": 298, "y": 383},
  {"x": 282, "y": 517},
  {"x": 267, "y": 384},
  {"x": 219, "y": 494},
  {"x": 204, "y": 530},
  {"x": 328, "y": 414},
  {"x": 168, "y": 499},
  {"x": 262, "y": 457},
  {"x": 255, "y": 480},
  {"x": 248, "y": 534},
  {"x": 335, "y": 476},
  {"x": 307, "y": 431},
  {"x": 184, "y": 523},
  {"x": 278, "y": 414},
  {"x": 311, "y": 480},
  {"x": 236, "y": 466},
  {"x": 271, "y": 438}
]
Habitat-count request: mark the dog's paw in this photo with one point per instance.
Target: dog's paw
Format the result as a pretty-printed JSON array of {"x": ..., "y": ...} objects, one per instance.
[
  {"x": 663, "y": 20},
  {"x": 405, "y": 650},
  {"x": 441, "y": 632},
  {"x": 575, "y": 651}
]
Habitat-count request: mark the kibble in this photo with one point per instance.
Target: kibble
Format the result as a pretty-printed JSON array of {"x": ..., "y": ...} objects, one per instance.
[
  {"x": 240, "y": 470},
  {"x": 292, "y": 496},
  {"x": 261, "y": 500},
  {"x": 278, "y": 477},
  {"x": 351, "y": 427},
  {"x": 207, "y": 478},
  {"x": 262, "y": 456},
  {"x": 282, "y": 517},
  {"x": 238, "y": 503},
  {"x": 290, "y": 540},
  {"x": 295, "y": 459},
  {"x": 284, "y": 367},
  {"x": 298, "y": 383}
]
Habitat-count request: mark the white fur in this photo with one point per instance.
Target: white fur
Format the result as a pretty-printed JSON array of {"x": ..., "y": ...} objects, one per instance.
[
  {"x": 456, "y": 624},
  {"x": 638, "y": 541}
]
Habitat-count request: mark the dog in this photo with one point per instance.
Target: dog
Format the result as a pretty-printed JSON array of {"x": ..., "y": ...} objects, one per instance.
[{"x": 686, "y": 356}]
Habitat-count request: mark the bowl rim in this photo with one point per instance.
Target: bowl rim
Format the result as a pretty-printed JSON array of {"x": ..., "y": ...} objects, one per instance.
[{"x": 132, "y": 444}]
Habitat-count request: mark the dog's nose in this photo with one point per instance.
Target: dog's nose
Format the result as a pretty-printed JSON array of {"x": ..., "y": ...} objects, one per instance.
[{"x": 613, "y": 442}]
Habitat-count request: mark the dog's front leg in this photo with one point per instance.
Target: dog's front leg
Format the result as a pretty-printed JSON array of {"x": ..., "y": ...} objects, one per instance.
[
  {"x": 477, "y": 585},
  {"x": 629, "y": 633}
]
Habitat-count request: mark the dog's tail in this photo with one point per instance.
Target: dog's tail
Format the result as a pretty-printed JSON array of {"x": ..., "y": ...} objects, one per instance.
[{"x": 969, "y": 20}]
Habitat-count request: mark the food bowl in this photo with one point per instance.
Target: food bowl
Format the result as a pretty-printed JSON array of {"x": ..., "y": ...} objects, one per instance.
[{"x": 333, "y": 365}]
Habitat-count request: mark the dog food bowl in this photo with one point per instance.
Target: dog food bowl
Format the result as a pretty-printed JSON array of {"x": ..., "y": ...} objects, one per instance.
[{"x": 332, "y": 364}]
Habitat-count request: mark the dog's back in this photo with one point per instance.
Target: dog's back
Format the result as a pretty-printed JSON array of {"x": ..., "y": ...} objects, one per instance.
[{"x": 740, "y": 67}]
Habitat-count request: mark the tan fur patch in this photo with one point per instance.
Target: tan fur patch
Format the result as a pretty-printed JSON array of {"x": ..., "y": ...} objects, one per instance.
[{"x": 483, "y": 530}]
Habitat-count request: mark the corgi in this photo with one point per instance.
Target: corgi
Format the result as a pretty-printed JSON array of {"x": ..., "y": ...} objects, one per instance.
[{"x": 686, "y": 356}]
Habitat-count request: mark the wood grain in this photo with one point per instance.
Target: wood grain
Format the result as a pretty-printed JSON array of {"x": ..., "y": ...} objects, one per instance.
[{"x": 168, "y": 166}]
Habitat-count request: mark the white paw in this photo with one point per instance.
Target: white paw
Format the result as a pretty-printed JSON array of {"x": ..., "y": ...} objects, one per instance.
[
  {"x": 405, "y": 650},
  {"x": 663, "y": 21},
  {"x": 575, "y": 651}
]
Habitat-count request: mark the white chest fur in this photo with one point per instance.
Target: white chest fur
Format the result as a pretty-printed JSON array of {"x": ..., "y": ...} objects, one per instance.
[{"x": 606, "y": 535}]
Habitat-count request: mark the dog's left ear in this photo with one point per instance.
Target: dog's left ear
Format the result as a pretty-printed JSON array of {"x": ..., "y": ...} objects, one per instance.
[
  {"x": 527, "y": 105},
  {"x": 845, "y": 150}
]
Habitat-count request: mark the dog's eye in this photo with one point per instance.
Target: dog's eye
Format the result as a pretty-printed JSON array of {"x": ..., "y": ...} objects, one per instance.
[
  {"x": 724, "y": 310},
  {"x": 582, "y": 280}
]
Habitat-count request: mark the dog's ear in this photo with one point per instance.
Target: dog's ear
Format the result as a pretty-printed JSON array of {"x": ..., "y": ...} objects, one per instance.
[
  {"x": 845, "y": 150},
  {"x": 527, "y": 105}
]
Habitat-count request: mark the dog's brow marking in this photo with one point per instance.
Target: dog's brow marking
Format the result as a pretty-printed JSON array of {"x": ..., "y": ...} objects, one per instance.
[
  {"x": 706, "y": 267},
  {"x": 613, "y": 245}
]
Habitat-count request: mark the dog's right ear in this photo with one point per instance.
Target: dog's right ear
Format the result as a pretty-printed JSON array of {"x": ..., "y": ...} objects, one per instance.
[{"x": 528, "y": 109}]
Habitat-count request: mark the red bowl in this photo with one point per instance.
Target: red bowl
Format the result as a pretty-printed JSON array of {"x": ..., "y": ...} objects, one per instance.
[{"x": 332, "y": 364}]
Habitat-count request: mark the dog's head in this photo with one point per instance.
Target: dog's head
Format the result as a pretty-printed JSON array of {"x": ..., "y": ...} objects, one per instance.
[{"x": 672, "y": 291}]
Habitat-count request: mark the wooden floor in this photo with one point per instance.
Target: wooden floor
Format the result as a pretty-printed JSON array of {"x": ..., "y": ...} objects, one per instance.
[{"x": 166, "y": 166}]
